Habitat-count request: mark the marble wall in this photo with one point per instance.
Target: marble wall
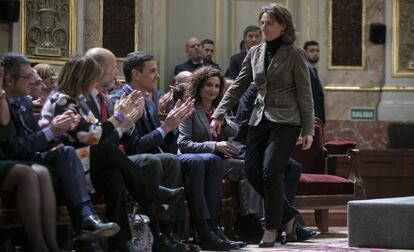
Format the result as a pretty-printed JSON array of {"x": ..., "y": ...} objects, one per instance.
[
  {"x": 4, "y": 37},
  {"x": 340, "y": 101}
]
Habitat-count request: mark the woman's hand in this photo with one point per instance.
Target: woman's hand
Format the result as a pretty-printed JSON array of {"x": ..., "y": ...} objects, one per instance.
[
  {"x": 307, "y": 142},
  {"x": 215, "y": 127},
  {"x": 226, "y": 148}
]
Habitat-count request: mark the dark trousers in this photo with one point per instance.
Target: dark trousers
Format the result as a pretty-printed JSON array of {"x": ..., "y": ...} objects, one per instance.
[
  {"x": 113, "y": 173},
  {"x": 293, "y": 171},
  {"x": 171, "y": 177},
  {"x": 69, "y": 178},
  {"x": 203, "y": 174},
  {"x": 269, "y": 146}
]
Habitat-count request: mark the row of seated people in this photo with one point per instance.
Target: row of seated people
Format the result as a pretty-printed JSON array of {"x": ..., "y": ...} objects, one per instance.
[{"x": 128, "y": 148}]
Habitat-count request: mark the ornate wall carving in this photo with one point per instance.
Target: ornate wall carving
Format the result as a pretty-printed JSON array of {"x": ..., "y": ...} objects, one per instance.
[
  {"x": 403, "y": 38},
  {"x": 48, "y": 29},
  {"x": 346, "y": 34}
]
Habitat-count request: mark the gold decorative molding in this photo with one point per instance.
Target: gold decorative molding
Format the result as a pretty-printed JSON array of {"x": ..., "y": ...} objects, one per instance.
[
  {"x": 397, "y": 69},
  {"x": 234, "y": 44},
  {"x": 137, "y": 28},
  {"x": 330, "y": 88},
  {"x": 217, "y": 30},
  {"x": 363, "y": 49},
  {"x": 50, "y": 50}
]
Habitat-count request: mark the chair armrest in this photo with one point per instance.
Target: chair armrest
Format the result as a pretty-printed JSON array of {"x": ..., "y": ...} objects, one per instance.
[{"x": 353, "y": 156}]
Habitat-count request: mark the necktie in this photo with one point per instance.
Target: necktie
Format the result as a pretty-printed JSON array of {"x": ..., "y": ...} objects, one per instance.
[
  {"x": 102, "y": 107},
  {"x": 315, "y": 71}
]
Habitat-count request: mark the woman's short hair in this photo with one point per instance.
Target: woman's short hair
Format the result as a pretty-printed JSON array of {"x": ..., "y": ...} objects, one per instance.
[
  {"x": 77, "y": 74},
  {"x": 44, "y": 70},
  {"x": 199, "y": 78},
  {"x": 282, "y": 16}
]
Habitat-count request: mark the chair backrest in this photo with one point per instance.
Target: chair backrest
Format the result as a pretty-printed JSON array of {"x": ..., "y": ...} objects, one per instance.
[{"x": 313, "y": 159}]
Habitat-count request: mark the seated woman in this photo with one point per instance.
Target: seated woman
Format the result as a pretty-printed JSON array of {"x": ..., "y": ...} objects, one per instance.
[
  {"x": 35, "y": 198},
  {"x": 100, "y": 141},
  {"x": 194, "y": 136},
  {"x": 48, "y": 76}
]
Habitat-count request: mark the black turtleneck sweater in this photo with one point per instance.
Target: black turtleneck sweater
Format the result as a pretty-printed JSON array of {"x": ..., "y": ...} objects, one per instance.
[{"x": 271, "y": 48}]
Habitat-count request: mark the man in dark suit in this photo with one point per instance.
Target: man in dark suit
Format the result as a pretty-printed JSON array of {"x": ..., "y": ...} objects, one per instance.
[
  {"x": 251, "y": 36},
  {"x": 166, "y": 165},
  {"x": 152, "y": 136},
  {"x": 312, "y": 53},
  {"x": 208, "y": 50},
  {"x": 26, "y": 141},
  {"x": 195, "y": 57}
]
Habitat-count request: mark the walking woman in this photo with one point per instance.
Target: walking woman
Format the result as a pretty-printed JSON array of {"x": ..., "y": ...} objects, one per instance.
[{"x": 283, "y": 108}]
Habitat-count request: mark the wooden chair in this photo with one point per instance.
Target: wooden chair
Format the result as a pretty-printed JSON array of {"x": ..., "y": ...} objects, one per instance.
[{"x": 319, "y": 191}]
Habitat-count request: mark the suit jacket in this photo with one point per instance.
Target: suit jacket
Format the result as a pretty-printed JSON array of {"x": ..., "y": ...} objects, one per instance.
[
  {"x": 194, "y": 134},
  {"x": 146, "y": 138},
  {"x": 191, "y": 67},
  {"x": 244, "y": 112},
  {"x": 318, "y": 96},
  {"x": 284, "y": 92},
  {"x": 22, "y": 137},
  {"x": 235, "y": 66}
]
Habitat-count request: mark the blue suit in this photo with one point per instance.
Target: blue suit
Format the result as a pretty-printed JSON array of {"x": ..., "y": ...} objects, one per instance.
[{"x": 202, "y": 173}]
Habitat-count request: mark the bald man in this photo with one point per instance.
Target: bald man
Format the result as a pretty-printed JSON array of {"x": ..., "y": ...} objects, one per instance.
[
  {"x": 195, "y": 57},
  {"x": 164, "y": 168}
]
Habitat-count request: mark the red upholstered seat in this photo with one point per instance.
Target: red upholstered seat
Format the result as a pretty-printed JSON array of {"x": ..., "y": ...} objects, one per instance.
[
  {"x": 339, "y": 147},
  {"x": 321, "y": 184}
]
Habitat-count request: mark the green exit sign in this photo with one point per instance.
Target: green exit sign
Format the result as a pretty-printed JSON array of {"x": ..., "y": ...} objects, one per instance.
[{"x": 363, "y": 114}]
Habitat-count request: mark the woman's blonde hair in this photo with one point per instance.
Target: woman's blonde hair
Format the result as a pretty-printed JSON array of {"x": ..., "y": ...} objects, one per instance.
[
  {"x": 77, "y": 75},
  {"x": 282, "y": 16},
  {"x": 44, "y": 70}
]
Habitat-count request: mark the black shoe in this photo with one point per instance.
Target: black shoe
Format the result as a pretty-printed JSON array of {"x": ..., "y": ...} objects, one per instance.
[
  {"x": 212, "y": 242},
  {"x": 304, "y": 234},
  {"x": 291, "y": 236},
  {"x": 163, "y": 244},
  {"x": 263, "y": 244},
  {"x": 169, "y": 196},
  {"x": 220, "y": 233},
  {"x": 92, "y": 227},
  {"x": 190, "y": 247}
]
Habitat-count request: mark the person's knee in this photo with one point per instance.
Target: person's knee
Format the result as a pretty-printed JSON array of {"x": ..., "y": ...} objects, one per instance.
[
  {"x": 42, "y": 173},
  {"x": 192, "y": 165},
  {"x": 152, "y": 165},
  {"x": 22, "y": 174}
]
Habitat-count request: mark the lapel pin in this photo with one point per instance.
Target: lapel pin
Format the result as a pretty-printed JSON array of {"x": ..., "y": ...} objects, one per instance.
[
  {"x": 23, "y": 108},
  {"x": 276, "y": 65}
]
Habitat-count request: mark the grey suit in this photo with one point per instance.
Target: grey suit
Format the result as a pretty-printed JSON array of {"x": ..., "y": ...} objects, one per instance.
[
  {"x": 283, "y": 106},
  {"x": 195, "y": 137}
]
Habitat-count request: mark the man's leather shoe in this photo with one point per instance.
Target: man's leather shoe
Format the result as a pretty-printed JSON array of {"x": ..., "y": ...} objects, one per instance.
[
  {"x": 163, "y": 244},
  {"x": 304, "y": 234},
  {"x": 212, "y": 242},
  {"x": 220, "y": 233},
  {"x": 190, "y": 247},
  {"x": 169, "y": 196},
  {"x": 92, "y": 227}
]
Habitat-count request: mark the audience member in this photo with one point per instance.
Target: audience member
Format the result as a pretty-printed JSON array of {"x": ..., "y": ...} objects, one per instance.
[
  {"x": 252, "y": 36},
  {"x": 36, "y": 88},
  {"x": 25, "y": 141},
  {"x": 195, "y": 57},
  {"x": 31, "y": 183},
  {"x": 312, "y": 53},
  {"x": 194, "y": 136},
  {"x": 208, "y": 49},
  {"x": 141, "y": 72},
  {"x": 48, "y": 76},
  {"x": 101, "y": 108}
]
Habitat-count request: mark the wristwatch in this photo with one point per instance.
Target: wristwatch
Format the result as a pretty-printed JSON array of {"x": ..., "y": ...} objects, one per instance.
[{"x": 2, "y": 94}]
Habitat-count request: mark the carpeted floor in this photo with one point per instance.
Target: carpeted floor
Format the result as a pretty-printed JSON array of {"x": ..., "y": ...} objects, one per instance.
[{"x": 336, "y": 241}]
